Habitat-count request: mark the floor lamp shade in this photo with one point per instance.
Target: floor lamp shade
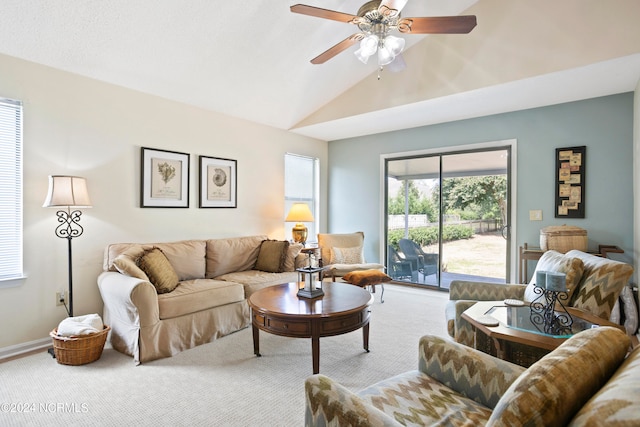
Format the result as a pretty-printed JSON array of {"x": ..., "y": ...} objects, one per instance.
[
  {"x": 299, "y": 213},
  {"x": 68, "y": 192}
]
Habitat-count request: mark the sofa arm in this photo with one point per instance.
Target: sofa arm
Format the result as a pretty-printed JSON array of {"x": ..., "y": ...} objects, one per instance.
[
  {"x": 483, "y": 291},
  {"x": 330, "y": 404},
  {"x": 470, "y": 372},
  {"x": 129, "y": 299}
]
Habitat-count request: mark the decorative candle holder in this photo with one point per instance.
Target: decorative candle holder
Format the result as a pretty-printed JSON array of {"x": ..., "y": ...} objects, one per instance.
[
  {"x": 310, "y": 277},
  {"x": 551, "y": 295}
]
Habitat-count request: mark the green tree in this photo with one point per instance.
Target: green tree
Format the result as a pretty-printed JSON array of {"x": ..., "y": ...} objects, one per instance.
[
  {"x": 417, "y": 205},
  {"x": 481, "y": 197}
]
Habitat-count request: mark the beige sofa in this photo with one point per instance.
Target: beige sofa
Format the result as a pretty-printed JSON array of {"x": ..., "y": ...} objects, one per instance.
[
  {"x": 589, "y": 380},
  {"x": 214, "y": 279}
]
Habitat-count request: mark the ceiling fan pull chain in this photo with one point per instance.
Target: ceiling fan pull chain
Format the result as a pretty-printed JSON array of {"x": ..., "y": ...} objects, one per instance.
[{"x": 379, "y": 71}]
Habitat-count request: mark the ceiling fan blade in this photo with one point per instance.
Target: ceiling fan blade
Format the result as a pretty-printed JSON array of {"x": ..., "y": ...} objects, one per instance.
[
  {"x": 322, "y": 13},
  {"x": 391, "y": 7},
  {"x": 438, "y": 25},
  {"x": 336, "y": 49}
]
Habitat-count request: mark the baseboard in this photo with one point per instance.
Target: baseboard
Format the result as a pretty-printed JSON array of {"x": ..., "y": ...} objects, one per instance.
[{"x": 18, "y": 349}]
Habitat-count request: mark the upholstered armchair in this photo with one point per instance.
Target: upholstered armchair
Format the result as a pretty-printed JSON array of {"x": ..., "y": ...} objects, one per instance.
[
  {"x": 455, "y": 385},
  {"x": 594, "y": 284},
  {"x": 344, "y": 253}
]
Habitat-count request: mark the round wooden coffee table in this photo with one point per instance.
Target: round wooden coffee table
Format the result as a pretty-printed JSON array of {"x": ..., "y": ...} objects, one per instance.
[{"x": 279, "y": 311}]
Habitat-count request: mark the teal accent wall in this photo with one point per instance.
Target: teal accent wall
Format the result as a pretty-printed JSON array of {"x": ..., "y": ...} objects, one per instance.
[{"x": 604, "y": 125}]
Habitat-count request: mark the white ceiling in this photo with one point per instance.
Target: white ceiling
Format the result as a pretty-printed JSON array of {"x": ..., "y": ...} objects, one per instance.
[{"x": 251, "y": 59}]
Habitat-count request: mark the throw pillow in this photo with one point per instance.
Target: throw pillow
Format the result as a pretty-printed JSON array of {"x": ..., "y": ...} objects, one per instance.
[
  {"x": 601, "y": 289},
  {"x": 128, "y": 267},
  {"x": 347, "y": 255},
  {"x": 160, "y": 272},
  {"x": 272, "y": 256},
  {"x": 292, "y": 253},
  {"x": 553, "y": 389},
  {"x": 559, "y": 263},
  {"x": 364, "y": 278}
]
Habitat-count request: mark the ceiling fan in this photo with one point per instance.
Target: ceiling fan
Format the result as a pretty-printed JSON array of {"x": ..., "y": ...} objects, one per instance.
[{"x": 376, "y": 19}]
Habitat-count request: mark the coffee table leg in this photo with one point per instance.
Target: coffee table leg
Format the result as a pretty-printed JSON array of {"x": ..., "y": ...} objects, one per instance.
[
  {"x": 256, "y": 340},
  {"x": 315, "y": 350},
  {"x": 365, "y": 337}
]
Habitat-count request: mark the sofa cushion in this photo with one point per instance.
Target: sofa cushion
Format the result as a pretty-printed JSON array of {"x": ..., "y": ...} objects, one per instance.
[
  {"x": 114, "y": 250},
  {"x": 200, "y": 294},
  {"x": 292, "y": 254},
  {"x": 159, "y": 270},
  {"x": 366, "y": 277},
  {"x": 414, "y": 398},
  {"x": 601, "y": 285},
  {"x": 187, "y": 257},
  {"x": 125, "y": 263},
  {"x": 558, "y": 263},
  {"x": 272, "y": 256},
  {"x": 615, "y": 404},
  {"x": 553, "y": 389},
  {"x": 232, "y": 254},
  {"x": 254, "y": 280}
]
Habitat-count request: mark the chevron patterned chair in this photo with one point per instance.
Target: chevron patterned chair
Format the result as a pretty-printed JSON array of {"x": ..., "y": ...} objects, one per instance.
[
  {"x": 594, "y": 285},
  {"x": 455, "y": 385}
]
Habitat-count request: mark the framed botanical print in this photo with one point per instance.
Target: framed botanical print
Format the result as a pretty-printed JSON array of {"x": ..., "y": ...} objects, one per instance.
[
  {"x": 570, "y": 182},
  {"x": 218, "y": 182},
  {"x": 164, "y": 182}
]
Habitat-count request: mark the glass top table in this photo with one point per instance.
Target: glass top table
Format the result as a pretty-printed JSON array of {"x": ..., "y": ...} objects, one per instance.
[{"x": 519, "y": 317}]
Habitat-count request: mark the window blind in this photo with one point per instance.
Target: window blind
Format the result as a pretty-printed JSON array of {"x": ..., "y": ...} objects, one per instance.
[
  {"x": 10, "y": 189},
  {"x": 301, "y": 185}
]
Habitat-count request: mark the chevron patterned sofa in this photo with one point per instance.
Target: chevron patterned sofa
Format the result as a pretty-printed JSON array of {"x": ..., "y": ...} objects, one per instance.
[
  {"x": 589, "y": 380},
  {"x": 594, "y": 283}
]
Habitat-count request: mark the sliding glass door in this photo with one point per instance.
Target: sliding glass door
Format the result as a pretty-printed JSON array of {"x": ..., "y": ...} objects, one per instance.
[{"x": 447, "y": 217}]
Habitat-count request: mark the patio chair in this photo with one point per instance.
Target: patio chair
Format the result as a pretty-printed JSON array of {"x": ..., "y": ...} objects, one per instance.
[
  {"x": 400, "y": 268},
  {"x": 425, "y": 263}
]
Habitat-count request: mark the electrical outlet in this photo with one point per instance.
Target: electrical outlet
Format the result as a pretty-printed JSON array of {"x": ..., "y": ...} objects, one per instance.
[{"x": 60, "y": 298}]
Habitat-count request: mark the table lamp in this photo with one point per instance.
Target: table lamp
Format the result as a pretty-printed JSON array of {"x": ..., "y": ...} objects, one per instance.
[{"x": 299, "y": 213}]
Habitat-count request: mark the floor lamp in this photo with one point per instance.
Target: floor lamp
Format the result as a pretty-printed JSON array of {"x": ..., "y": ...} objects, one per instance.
[{"x": 68, "y": 192}]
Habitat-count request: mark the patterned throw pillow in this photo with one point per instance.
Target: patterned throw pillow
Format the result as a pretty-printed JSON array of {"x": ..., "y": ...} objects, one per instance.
[
  {"x": 272, "y": 256},
  {"x": 553, "y": 389},
  {"x": 347, "y": 255},
  {"x": 558, "y": 263},
  {"x": 160, "y": 272},
  {"x": 601, "y": 289}
]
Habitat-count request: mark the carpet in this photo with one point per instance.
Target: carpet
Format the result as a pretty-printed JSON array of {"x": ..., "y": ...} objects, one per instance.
[{"x": 221, "y": 383}]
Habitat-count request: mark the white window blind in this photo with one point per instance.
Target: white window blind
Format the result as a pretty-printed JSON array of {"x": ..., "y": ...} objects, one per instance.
[
  {"x": 10, "y": 190},
  {"x": 301, "y": 175}
]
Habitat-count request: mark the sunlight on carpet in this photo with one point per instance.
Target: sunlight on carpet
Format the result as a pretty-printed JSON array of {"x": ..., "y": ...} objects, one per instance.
[{"x": 221, "y": 383}]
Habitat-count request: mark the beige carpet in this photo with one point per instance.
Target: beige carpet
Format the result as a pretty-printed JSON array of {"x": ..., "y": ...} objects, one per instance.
[{"x": 221, "y": 383}]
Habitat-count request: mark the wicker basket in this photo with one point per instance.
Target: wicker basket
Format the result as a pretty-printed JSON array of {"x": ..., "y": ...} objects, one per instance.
[
  {"x": 563, "y": 238},
  {"x": 81, "y": 349}
]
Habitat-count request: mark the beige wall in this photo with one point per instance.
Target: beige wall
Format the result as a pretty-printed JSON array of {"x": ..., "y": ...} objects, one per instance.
[{"x": 78, "y": 126}]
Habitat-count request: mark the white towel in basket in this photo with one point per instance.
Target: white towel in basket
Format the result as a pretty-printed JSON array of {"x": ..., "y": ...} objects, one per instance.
[{"x": 80, "y": 325}]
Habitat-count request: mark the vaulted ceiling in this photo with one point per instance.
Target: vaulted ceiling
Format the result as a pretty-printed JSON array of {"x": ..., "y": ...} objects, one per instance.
[{"x": 251, "y": 59}]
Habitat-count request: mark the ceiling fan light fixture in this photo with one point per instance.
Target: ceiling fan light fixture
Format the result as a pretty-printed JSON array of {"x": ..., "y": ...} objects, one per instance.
[
  {"x": 394, "y": 44},
  {"x": 385, "y": 56},
  {"x": 368, "y": 47}
]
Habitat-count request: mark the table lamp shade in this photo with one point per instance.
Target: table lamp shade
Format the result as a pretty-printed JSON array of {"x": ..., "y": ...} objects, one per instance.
[
  {"x": 68, "y": 191},
  {"x": 299, "y": 213}
]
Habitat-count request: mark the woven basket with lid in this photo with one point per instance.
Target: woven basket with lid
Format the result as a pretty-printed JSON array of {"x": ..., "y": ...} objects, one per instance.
[{"x": 563, "y": 238}]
